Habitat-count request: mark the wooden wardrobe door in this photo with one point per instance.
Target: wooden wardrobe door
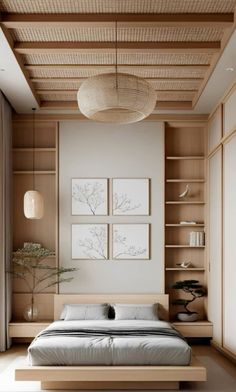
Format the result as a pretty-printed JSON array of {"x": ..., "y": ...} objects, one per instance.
[
  {"x": 215, "y": 245},
  {"x": 229, "y": 281}
]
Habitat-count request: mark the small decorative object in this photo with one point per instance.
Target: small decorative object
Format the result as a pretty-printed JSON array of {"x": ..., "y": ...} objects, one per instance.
[
  {"x": 196, "y": 290},
  {"x": 33, "y": 199},
  {"x": 184, "y": 264},
  {"x": 116, "y": 97},
  {"x": 130, "y": 241},
  {"x": 188, "y": 223},
  {"x": 186, "y": 192},
  {"x": 90, "y": 241},
  {"x": 130, "y": 196},
  {"x": 29, "y": 265},
  {"x": 197, "y": 238},
  {"x": 89, "y": 196}
]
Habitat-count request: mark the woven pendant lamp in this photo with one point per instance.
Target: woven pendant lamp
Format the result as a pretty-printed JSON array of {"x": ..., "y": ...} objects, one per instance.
[
  {"x": 116, "y": 97},
  {"x": 33, "y": 200}
]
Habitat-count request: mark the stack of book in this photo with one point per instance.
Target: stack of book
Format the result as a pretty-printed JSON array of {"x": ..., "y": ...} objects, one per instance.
[{"x": 197, "y": 238}]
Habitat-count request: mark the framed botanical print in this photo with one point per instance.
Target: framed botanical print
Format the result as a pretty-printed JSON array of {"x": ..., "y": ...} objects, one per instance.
[
  {"x": 130, "y": 196},
  {"x": 130, "y": 241},
  {"x": 90, "y": 241},
  {"x": 89, "y": 196}
]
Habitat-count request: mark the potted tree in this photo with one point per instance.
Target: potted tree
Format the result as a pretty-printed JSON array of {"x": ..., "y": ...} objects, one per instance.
[
  {"x": 29, "y": 265},
  {"x": 196, "y": 290}
]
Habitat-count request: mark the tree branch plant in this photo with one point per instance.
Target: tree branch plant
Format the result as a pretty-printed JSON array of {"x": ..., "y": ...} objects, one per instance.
[
  {"x": 29, "y": 265},
  {"x": 190, "y": 287}
]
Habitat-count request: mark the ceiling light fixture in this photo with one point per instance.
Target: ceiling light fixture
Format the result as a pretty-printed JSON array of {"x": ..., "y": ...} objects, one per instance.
[
  {"x": 116, "y": 97},
  {"x": 33, "y": 200}
]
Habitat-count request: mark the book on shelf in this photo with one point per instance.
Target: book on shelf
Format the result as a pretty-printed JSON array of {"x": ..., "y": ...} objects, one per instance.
[{"x": 196, "y": 238}]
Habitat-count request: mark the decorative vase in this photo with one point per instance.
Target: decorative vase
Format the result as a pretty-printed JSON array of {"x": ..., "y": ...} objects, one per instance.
[
  {"x": 31, "y": 312},
  {"x": 184, "y": 316}
]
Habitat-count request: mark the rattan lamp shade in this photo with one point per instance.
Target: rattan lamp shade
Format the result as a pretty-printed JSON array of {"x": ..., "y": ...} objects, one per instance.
[
  {"x": 116, "y": 98},
  {"x": 33, "y": 205}
]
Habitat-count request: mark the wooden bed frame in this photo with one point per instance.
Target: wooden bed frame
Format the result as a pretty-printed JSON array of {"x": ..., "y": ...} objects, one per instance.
[{"x": 112, "y": 377}]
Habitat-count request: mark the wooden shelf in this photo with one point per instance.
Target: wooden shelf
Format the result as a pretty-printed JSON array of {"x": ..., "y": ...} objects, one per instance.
[
  {"x": 185, "y": 269},
  {"x": 185, "y": 202},
  {"x": 184, "y": 246},
  {"x": 25, "y": 329},
  {"x": 37, "y": 149},
  {"x": 187, "y": 180},
  {"x": 184, "y": 225},
  {"x": 195, "y": 329},
  {"x": 35, "y": 172},
  {"x": 188, "y": 157}
]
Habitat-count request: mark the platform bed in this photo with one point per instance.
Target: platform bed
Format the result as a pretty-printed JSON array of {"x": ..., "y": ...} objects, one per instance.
[{"x": 112, "y": 377}]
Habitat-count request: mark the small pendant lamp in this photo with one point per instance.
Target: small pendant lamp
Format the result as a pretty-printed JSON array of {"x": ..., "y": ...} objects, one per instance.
[{"x": 33, "y": 199}]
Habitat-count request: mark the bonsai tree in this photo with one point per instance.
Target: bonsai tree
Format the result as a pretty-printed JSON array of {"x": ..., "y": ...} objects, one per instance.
[
  {"x": 29, "y": 266},
  {"x": 191, "y": 287}
]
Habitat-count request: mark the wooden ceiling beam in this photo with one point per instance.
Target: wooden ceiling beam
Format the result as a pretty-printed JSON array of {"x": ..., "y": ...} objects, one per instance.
[
  {"x": 79, "y": 80},
  {"x": 34, "y": 67},
  {"x": 175, "y": 105},
  {"x": 17, "y": 20},
  {"x": 73, "y": 105},
  {"x": 123, "y": 47},
  {"x": 74, "y": 91}
]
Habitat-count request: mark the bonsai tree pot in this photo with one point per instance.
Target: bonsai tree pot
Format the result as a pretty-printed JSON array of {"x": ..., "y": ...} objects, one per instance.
[{"x": 185, "y": 316}]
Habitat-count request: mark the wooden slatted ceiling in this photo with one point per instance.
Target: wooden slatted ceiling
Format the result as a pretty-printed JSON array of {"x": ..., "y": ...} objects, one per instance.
[{"x": 174, "y": 44}]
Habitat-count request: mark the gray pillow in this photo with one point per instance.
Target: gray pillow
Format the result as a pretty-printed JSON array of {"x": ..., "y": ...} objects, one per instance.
[
  {"x": 86, "y": 312},
  {"x": 136, "y": 311}
]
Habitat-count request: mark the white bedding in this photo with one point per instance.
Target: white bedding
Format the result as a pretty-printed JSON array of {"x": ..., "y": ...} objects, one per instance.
[{"x": 109, "y": 350}]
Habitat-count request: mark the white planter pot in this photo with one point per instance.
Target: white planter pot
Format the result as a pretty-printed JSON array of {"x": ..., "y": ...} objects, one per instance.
[{"x": 183, "y": 316}]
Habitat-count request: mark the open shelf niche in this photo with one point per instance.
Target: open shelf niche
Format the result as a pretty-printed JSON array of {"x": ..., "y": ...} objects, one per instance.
[
  {"x": 43, "y": 231},
  {"x": 184, "y": 164}
]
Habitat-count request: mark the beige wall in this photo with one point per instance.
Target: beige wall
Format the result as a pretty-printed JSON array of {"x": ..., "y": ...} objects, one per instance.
[{"x": 88, "y": 149}]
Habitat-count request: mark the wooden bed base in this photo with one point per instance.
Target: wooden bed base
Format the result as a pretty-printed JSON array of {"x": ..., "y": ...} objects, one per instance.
[{"x": 111, "y": 377}]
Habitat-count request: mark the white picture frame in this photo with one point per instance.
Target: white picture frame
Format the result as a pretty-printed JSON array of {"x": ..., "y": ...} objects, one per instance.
[
  {"x": 130, "y": 196},
  {"x": 89, "y": 196},
  {"x": 131, "y": 241},
  {"x": 89, "y": 241}
]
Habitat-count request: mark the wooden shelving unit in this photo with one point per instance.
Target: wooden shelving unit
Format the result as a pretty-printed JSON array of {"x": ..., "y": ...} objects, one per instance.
[
  {"x": 45, "y": 230},
  {"x": 185, "y": 164}
]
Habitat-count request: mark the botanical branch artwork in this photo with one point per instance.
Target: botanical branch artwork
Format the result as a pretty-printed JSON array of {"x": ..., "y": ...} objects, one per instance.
[
  {"x": 130, "y": 241},
  {"x": 130, "y": 196},
  {"x": 90, "y": 241},
  {"x": 89, "y": 196}
]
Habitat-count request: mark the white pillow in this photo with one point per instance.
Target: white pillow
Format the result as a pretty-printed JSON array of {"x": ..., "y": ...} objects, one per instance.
[
  {"x": 86, "y": 312},
  {"x": 136, "y": 311}
]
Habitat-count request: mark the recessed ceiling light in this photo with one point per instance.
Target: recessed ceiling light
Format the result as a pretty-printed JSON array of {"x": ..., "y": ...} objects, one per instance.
[{"x": 229, "y": 69}]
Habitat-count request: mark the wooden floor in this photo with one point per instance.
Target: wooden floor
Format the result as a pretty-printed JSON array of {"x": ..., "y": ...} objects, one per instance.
[{"x": 221, "y": 372}]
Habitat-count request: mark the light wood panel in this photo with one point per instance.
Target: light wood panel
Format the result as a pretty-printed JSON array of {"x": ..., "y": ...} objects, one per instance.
[
  {"x": 16, "y": 21},
  {"x": 200, "y": 329},
  {"x": 43, "y": 231},
  {"x": 26, "y": 329},
  {"x": 229, "y": 246},
  {"x": 194, "y": 372},
  {"x": 161, "y": 299},
  {"x": 44, "y": 302},
  {"x": 215, "y": 245},
  {"x": 59, "y": 40},
  {"x": 229, "y": 112},
  {"x": 104, "y": 385},
  {"x": 185, "y": 164},
  {"x": 215, "y": 129}
]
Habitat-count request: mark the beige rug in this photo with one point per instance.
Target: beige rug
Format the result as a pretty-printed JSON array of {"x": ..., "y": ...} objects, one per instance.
[{"x": 219, "y": 380}]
